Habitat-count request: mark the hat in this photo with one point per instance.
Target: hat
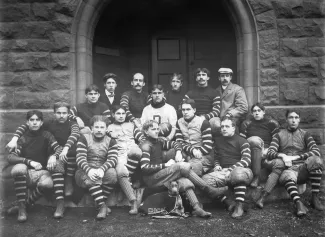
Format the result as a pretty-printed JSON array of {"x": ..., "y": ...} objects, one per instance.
[{"x": 225, "y": 70}]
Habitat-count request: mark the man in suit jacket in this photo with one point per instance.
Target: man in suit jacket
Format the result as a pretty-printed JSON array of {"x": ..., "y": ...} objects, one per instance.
[
  {"x": 233, "y": 98},
  {"x": 110, "y": 97}
]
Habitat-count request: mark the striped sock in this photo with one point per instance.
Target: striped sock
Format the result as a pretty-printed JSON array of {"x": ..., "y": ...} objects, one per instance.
[
  {"x": 271, "y": 182},
  {"x": 34, "y": 196},
  {"x": 71, "y": 166},
  {"x": 315, "y": 178},
  {"x": 132, "y": 164},
  {"x": 107, "y": 189},
  {"x": 97, "y": 193},
  {"x": 191, "y": 197},
  {"x": 21, "y": 188},
  {"x": 127, "y": 189},
  {"x": 292, "y": 189},
  {"x": 58, "y": 183},
  {"x": 240, "y": 193}
]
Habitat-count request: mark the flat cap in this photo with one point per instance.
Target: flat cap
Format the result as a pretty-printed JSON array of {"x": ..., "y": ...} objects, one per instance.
[{"x": 225, "y": 70}]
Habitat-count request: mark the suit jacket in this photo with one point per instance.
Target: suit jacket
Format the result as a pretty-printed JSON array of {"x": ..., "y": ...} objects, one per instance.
[
  {"x": 233, "y": 101},
  {"x": 103, "y": 98}
]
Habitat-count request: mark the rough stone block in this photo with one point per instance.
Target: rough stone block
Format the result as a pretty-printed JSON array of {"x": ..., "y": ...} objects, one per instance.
[
  {"x": 43, "y": 11},
  {"x": 60, "y": 61},
  {"x": 28, "y": 61},
  {"x": 314, "y": 8},
  {"x": 15, "y": 12},
  {"x": 316, "y": 94},
  {"x": 26, "y": 45},
  {"x": 317, "y": 134},
  {"x": 321, "y": 61},
  {"x": 3, "y": 62},
  {"x": 269, "y": 77},
  {"x": 269, "y": 58},
  {"x": 14, "y": 79},
  {"x": 288, "y": 8},
  {"x": 61, "y": 41},
  {"x": 269, "y": 39},
  {"x": 270, "y": 95},
  {"x": 293, "y": 91},
  {"x": 266, "y": 21},
  {"x": 6, "y": 97},
  {"x": 260, "y": 6},
  {"x": 66, "y": 7},
  {"x": 40, "y": 100},
  {"x": 293, "y": 48},
  {"x": 294, "y": 28},
  {"x": 62, "y": 22},
  {"x": 298, "y": 67},
  {"x": 11, "y": 119}
]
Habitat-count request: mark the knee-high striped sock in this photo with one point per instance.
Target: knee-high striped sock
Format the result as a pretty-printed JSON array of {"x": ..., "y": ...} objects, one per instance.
[
  {"x": 240, "y": 193},
  {"x": 97, "y": 193},
  {"x": 71, "y": 166},
  {"x": 315, "y": 178},
  {"x": 191, "y": 197},
  {"x": 271, "y": 182},
  {"x": 292, "y": 189},
  {"x": 21, "y": 188},
  {"x": 127, "y": 189},
  {"x": 132, "y": 164},
  {"x": 34, "y": 196},
  {"x": 58, "y": 183},
  {"x": 107, "y": 189}
]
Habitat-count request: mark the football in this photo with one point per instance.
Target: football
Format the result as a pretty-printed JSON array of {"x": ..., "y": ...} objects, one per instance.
[{"x": 165, "y": 129}]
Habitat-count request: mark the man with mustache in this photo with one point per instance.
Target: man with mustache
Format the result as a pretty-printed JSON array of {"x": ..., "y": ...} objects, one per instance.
[
  {"x": 110, "y": 97},
  {"x": 135, "y": 99},
  {"x": 233, "y": 98},
  {"x": 206, "y": 98}
]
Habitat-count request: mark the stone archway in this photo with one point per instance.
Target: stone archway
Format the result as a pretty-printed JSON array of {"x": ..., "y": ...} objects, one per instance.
[{"x": 89, "y": 12}]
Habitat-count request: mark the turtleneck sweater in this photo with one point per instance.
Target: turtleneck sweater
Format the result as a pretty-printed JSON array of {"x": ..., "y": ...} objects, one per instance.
[{"x": 175, "y": 98}]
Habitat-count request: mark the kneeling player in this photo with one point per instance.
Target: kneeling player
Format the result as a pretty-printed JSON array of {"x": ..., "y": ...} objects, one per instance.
[
  {"x": 232, "y": 161},
  {"x": 96, "y": 160},
  {"x": 36, "y": 151},
  {"x": 129, "y": 154},
  {"x": 158, "y": 173}
]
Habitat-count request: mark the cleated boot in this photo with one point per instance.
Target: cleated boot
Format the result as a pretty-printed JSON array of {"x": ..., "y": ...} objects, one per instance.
[
  {"x": 22, "y": 214},
  {"x": 260, "y": 201},
  {"x": 58, "y": 214},
  {"x": 198, "y": 211},
  {"x": 102, "y": 212},
  {"x": 255, "y": 182},
  {"x": 239, "y": 210},
  {"x": 134, "y": 208},
  {"x": 68, "y": 186},
  {"x": 316, "y": 203},
  {"x": 301, "y": 209}
]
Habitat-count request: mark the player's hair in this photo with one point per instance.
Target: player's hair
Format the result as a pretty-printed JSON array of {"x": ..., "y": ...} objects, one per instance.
[
  {"x": 289, "y": 111},
  {"x": 61, "y": 104},
  {"x": 148, "y": 124},
  {"x": 31, "y": 113},
  {"x": 157, "y": 86},
  {"x": 117, "y": 107},
  {"x": 190, "y": 102},
  {"x": 233, "y": 122},
  {"x": 203, "y": 69},
  {"x": 176, "y": 75},
  {"x": 258, "y": 104},
  {"x": 110, "y": 75},
  {"x": 90, "y": 88},
  {"x": 99, "y": 118}
]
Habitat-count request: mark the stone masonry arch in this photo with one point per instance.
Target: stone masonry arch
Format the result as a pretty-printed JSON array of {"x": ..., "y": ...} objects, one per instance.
[{"x": 89, "y": 12}]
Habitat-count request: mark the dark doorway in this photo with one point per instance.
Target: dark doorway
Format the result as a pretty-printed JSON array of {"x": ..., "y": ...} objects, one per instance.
[{"x": 160, "y": 37}]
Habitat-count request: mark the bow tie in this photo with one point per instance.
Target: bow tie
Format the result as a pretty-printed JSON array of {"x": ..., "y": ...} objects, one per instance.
[{"x": 110, "y": 95}]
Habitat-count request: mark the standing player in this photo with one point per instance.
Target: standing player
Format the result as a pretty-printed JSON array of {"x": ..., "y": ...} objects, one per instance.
[
  {"x": 109, "y": 96},
  {"x": 160, "y": 111},
  {"x": 175, "y": 96}
]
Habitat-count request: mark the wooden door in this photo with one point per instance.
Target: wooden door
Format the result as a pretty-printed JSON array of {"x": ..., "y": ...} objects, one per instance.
[{"x": 168, "y": 56}]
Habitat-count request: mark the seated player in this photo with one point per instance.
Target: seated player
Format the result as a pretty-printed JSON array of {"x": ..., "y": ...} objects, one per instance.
[
  {"x": 175, "y": 96},
  {"x": 194, "y": 134},
  {"x": 36, "y": 152},
  {"x": 66, "y": 133},
  {"x": 160, "y": 111},
  {"x": 259, "y": 131},
  {"x": 301, "y": 156},
  {"x": 159, "y": 171},
  {"x": 129, "y": 154},
  {"x": 232, "y": 162},
  {"x": 96, "y": 160},
  {"x": 83, "y": 112},
  {"x": 207, "y": 99}
]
